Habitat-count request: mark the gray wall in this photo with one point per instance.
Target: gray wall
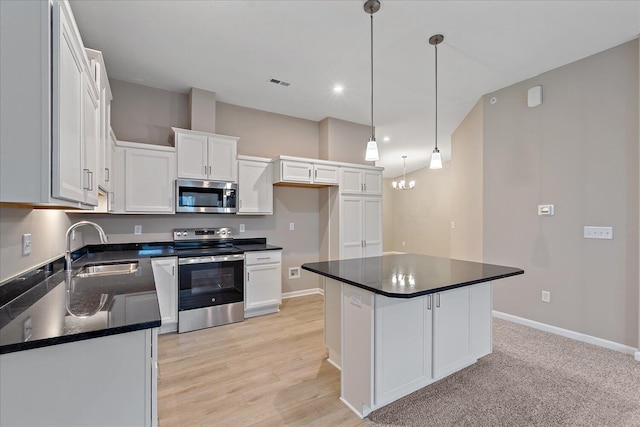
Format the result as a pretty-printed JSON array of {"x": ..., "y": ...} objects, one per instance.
[
  {"x": 418, "y": 220},
  {"x": 145, "y": 114},
  {"x": 47, "y": 229},
  {"x": 466, "y": 187},
  {"x": 578, "y": 151}
]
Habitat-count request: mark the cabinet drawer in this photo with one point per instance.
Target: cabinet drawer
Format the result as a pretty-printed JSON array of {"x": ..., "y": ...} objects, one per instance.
[{"x": 263, "y": 257}]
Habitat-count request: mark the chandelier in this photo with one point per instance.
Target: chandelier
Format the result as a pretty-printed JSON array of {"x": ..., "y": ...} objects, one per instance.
[{"x": 402, "y": 185}]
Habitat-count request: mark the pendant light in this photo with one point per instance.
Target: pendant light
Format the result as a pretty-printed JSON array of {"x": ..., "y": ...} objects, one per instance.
[
  {"x": 436, "y": 160},
  {"x": 371, "y": 155},
  {"x": 402, "y": 185}
]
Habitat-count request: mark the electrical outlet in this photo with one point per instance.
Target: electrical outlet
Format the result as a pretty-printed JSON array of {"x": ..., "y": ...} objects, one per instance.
[
  {"x": 26, "y": 329},
  {"x": 26, "y": 244},
  {"x": 292, "y": 226},
  {"x": 242, "y": 228},
  {"x": 137, "y": 229},
  {"x": 294, "y": 273},
  {"x": 453, "y": 224},
  {"x": 546, "y": 296}
]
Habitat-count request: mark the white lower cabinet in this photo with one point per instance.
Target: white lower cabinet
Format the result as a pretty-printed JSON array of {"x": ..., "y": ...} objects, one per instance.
[
  {"x": 263, "y": 283},
  {"x": 108, "y": 381},
  {"x": 391, "y": 347},
  {"x": 165, "y": 275}
]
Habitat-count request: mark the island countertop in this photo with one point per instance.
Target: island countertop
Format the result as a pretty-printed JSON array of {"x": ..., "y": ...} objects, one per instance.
[{"x": 409, "y": 275}]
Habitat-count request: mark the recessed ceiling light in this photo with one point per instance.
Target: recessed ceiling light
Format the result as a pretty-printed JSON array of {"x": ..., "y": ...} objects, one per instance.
[
  {"x": 386, "y": 139},
  {"x": 338, "y": 88}
]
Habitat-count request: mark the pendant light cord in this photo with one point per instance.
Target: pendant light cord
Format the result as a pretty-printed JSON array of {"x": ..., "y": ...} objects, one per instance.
[
  {"x": 436, "y": 46},
  {"x": 373, "y": 133}
]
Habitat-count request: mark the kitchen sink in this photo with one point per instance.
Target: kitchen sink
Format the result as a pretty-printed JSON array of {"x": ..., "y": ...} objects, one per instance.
[{"x": 105, "y": 269}]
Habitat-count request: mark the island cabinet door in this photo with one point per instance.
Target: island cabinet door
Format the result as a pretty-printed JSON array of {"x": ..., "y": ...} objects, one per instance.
[
  {"x": 403, "y": 328},
  {"x": 451, "y": 331}
]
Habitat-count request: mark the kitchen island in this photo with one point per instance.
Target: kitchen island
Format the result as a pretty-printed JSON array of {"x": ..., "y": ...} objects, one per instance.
[{"x": 397, "y": 323}]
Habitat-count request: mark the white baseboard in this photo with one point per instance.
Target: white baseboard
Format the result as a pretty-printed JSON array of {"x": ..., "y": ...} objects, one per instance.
[
  {"x": 294, "y": 294},
  {"x": 569, "y": 334}
]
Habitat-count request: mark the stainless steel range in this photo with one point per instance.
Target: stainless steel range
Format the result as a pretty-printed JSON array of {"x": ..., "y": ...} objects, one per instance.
[{"x": 210, "y": 278}]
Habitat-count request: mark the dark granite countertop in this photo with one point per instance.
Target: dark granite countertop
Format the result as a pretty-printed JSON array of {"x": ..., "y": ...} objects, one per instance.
[
  {"x": 409, "y": 275},
  {"x": 254, "y": 245},
  {"x": 57, "y": 308}
]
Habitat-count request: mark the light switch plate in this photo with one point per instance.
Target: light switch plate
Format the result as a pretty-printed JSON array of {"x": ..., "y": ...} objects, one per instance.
[
  {"x": 592, "y": 232},
  {"x": 26, "y": 244}
]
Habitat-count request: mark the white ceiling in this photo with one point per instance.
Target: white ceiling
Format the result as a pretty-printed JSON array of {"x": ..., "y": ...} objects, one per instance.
[{"x": 233, "y": 48}]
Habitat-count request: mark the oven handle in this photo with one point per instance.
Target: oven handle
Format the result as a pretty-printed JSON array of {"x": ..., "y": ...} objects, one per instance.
[{"x": 206, "y": 259}]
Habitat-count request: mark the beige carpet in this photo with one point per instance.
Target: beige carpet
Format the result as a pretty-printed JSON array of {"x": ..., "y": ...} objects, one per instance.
[{"x": 532, "y": 378}]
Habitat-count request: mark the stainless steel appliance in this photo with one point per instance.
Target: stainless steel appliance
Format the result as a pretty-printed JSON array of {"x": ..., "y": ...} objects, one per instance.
[
  {"x": 210, "y": 278},
  {"x": 205, "y": 196}
]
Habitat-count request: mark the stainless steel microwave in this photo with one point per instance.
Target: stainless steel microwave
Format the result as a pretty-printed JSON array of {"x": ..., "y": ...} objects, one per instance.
[{"x": 205, "y": 196}]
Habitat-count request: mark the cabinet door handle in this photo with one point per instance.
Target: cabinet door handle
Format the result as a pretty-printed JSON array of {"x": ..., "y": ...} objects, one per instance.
[
  {"x": 205, "y": 169},
  {"x": 107, "y": 175},
  {"x": 316, "y": 174},
  {"x": 309, "y": 173},
  {"x": 86, "y": 186},
  {"x": 248, "y": 276},
  {"x": 437, "y": 300},
  {"x": 365, "y": 186},
  {"x": 173, "y": 270},
  {"x": 428, "y": 302},
  {"x": 365, "y": 243},
  {"x": 90, "y": 181},
  {"x": 209, "y": 170}
]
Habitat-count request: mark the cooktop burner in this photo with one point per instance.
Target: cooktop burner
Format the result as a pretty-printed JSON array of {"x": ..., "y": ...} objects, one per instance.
[{"x": 193, "y": 242}]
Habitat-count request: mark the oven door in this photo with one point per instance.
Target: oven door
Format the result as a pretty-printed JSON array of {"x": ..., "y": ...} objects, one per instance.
[{"x": 210, "y": 281}]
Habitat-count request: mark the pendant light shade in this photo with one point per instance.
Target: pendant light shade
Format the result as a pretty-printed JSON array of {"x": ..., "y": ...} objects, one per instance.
[
  {"x": 436, "y": 159},
  {"x": 371, "y": 155},
  {"x": 372, "y": 151}
]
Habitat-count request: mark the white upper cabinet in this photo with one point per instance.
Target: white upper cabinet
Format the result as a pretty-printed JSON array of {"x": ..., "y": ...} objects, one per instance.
[
  {"x": 222, "y": 158},
  {"x": 305, "y": 171},
  {"x": 361, "y": 181},
  {"x": 146, "y": 178},
  {"x": 91, "y": 131},
  {"x": 296, "y": 172},
  {"x": 99, "y": 74},
  {"x": 206, "y": 156},
  {"x": 255, "y": 189},
  {"x": 50, "y": 108},
  {"x": 69, "y": 178}
]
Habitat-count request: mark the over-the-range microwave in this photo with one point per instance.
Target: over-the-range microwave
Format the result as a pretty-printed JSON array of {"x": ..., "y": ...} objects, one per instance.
[{"x": 198, "y": 196}]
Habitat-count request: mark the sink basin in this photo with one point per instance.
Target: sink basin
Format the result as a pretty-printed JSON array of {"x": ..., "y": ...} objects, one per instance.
[{"x": 106, "y": 269}]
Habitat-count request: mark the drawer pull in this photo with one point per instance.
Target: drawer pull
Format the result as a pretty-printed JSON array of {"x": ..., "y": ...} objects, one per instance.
[{"x": 265, "y": 257}]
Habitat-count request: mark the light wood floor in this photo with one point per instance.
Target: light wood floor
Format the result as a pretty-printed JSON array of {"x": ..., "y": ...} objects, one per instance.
[{"x": 269, "y": 371}]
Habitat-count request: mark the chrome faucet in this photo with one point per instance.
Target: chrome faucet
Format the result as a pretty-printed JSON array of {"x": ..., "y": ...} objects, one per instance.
[{"x": 67, "y": 254}]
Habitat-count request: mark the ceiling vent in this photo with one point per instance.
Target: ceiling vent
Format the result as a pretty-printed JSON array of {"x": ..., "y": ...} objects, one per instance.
[{"x": 280, "y": 82}]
